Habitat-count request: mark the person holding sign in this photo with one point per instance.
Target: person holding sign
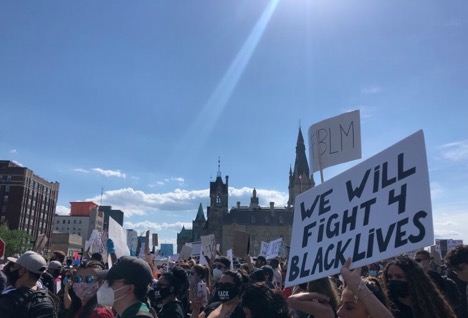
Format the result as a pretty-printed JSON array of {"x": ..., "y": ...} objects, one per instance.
[
  {"x": 412, "y": 291},
  {"x": 359, "y": 299}
]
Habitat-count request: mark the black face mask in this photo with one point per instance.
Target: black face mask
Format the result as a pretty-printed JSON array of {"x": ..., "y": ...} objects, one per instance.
[
  {"x": 162, "y": 293},
  {"x": 226, "y": 292},
  {"x": 398, "y": 288}
]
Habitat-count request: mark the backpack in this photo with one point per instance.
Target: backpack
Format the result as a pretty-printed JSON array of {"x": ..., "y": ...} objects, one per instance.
[{"x": 34, "y": 303}]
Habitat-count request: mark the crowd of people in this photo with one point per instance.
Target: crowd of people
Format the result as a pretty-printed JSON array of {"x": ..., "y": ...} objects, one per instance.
[{"x": 401, "y": 287}]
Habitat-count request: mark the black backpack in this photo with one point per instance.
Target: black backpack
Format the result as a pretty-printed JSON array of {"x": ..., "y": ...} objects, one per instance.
[{"x": 33, "y": 303}]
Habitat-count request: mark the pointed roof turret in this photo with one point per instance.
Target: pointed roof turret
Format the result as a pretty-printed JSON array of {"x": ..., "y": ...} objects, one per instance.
[
  {"x": 200, "y": 214},
  {"x": 300, "y": 179}
]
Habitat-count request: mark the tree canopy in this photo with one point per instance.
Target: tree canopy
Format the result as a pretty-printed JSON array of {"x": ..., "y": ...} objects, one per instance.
[{"x": 16, "y": 241}]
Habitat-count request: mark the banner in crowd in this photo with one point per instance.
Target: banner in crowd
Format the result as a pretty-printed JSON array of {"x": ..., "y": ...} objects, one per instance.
[
  {"x": 376, "y": 210},
  {"x": 335, "y": 140}
]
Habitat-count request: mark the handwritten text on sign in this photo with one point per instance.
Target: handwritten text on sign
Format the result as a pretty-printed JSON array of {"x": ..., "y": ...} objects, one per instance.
[
  {"x": 378, "y": 209},
  {"x": 335, "y": 140}
]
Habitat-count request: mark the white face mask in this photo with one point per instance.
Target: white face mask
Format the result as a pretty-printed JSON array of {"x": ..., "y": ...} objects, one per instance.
[
  {"x": 105, "y": 295},
  {"x": 217, "y": 273}
]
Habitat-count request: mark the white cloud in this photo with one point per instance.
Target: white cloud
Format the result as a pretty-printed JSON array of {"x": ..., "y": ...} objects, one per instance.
[
  {"x": 371, "y": 90},
  {"x": 13, "y": 151},
  {"x": 62, "y": 210},
  {"x": 455, "y": 151},
  {"x": 364, "y": 111},
  {"x": 156, "y": 227},
  {"x": 110, "y": 173},
  {"x": 81, "y": 170},
  {"x": 165, "y": 181},
  {"x": 450, "y": 221},
  {"x": 137, "y": 202},
  {"x": 436, "y": 190}
]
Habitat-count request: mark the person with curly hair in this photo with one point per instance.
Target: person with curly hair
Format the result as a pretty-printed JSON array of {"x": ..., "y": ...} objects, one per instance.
[
  {"x": 259, "y": 301},
  {"x": 412, "y": 292},
  {"x": 360, "y": 298}
]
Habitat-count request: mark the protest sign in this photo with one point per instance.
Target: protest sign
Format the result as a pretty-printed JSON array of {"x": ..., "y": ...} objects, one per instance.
[
  {"x": 230, "y": 257},
  {"x": 132, "y": 241},
  {"x": 119, "y": 237},
  {"x": 241, "y": 243},
  {"x": 376, "y": 210},
  {"x": 335, "y": 140},
  {"x": 264, "y": 248},
  {"x": 208, "y": 246},
  {"x": 185, "y": 252},
  {"x": 274, "y": 248},
  {"x": 40, "y": 243},
  {"x": 196, "y": 248}
]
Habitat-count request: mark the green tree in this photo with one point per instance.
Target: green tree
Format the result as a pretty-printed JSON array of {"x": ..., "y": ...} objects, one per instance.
[{"x": 16, "y": 241}]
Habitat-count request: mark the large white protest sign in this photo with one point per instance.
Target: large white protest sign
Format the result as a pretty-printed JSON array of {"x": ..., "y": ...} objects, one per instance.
[
  {"x": 376, "y": 210},
  {"x": 119, "y": 237},
  {"x": 274, "y": 248},
  {"x": 335, "y": 140},
  {"x": 196, "y": 249}
]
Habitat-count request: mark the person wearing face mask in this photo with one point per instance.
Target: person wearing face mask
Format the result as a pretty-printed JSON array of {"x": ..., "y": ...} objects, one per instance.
[
  {"x": 229, "y": 289},
  {"x": 168, "y": 288},
  {"x": 412, "y": 291},
  {"x": 85, "y": 285},
  {"x": 126, "y": 287},
  {"x": 26, "y": 300},
  {"x": 220, "y": 265}
]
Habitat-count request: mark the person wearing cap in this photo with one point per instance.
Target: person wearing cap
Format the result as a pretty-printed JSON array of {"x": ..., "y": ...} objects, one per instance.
[
  {"x": 126, "y": 287},
  {"x": 26, "y": 300},
  {"x": 51, "y": 276}
]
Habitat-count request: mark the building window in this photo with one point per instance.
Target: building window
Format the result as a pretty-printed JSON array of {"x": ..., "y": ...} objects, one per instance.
[
  {"x": 4, "y": 209},
  {"x": 68, "y": 221},
  {"x": 8, "y": 178},
  {"x": 5, "y": 198},
  {"x": 252, "y": 219},
  {"x": 267, "y": 219},
  {"x": 63, "y": 222},
  {"x": 7, "y": 188}
]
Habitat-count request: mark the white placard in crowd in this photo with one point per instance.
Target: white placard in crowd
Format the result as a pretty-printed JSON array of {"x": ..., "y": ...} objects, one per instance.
[
  {"x": 264, "y": 248},
  {"x": 119, "y": 237},
  {"x": 208, "y": 247},
  {"x": 335, "y": 140},
  {"x": 230, "y": 257},
  {"x": 274, "y": 248},
  {"x": 196, "y": 249},
  {"x": 185, "y": 252},
  {"x": 376, "y": 210}
]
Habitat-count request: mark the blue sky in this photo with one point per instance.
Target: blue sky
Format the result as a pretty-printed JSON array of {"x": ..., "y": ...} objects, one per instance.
[{"x": 142, "y": 97}]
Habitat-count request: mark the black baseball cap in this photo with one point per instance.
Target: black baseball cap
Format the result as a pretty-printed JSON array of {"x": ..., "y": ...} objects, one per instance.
[{"x": 134, "y": 270}]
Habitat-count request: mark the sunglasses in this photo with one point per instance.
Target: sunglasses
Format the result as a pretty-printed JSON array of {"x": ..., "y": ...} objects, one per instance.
[{"x": 87, "y": 279}]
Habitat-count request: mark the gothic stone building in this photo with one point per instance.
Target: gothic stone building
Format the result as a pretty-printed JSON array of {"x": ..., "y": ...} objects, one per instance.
[{"x": 263, "y": 223}]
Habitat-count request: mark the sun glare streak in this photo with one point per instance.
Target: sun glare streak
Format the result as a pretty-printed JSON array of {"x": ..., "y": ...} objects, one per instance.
[{"x": 208, "y": 116}]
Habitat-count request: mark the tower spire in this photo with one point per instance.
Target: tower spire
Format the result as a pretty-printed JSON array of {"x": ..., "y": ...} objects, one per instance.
[{"x": 219, "y": 167}]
